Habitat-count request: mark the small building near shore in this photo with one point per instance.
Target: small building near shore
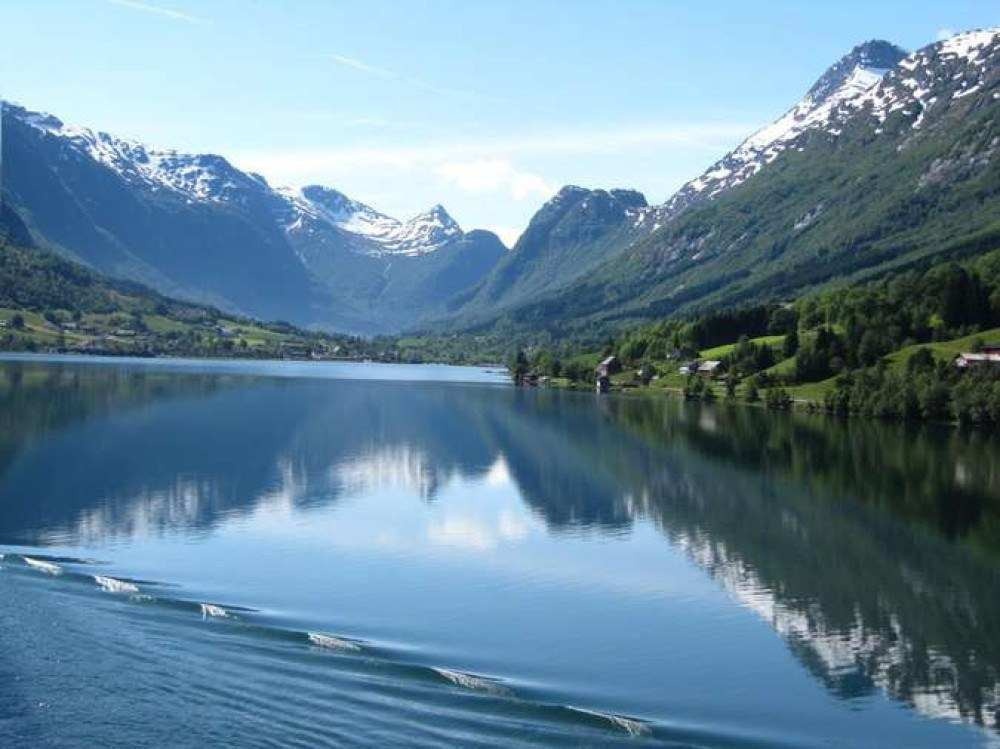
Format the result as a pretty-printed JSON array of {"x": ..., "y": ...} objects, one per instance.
[
  {"x": 690, "y": 367},
  {"x": 608, "y": 367},
  {"x": 603, "y": 372},
  {"x": 982, "y": 358},
  {"x": 710, "y": 368}
]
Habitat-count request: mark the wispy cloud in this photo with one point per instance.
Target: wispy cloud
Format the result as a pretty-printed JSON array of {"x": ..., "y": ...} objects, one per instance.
[
  {"x": 350, "y": 62},
  {"x": 176, "y": 15},
  {"x": 386, "y": 74},
  {"x": 945, "y": 33}
]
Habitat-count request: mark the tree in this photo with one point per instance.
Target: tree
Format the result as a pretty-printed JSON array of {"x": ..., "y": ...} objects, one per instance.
[
  {"x": 790, "y": 345},
  {"x": 751, "y": 391},
  {"x": 921, "y": 360},
  {"x": 778, "y": 399},
  {"x": 17, "y": 321},
  {"x": 694, "y": 388},
  {"x": 518, "y": 366},
  {"x": 783, "y": 320}
]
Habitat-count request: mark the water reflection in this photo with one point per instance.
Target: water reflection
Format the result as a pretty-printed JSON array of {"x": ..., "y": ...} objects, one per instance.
[{"x": 871, "y": 550}]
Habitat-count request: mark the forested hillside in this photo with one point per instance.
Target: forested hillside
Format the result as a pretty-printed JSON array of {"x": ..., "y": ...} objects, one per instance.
[
  {"x": 47, "y": 303},
  {"x": 884, "y": 348}
]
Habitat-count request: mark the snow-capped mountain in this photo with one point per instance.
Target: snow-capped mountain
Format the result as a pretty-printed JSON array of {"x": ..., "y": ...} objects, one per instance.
[
  {"x": 193, "y": 177},
  {"x": 419, "y": 235},
  {"x": 845, "y": 82},
  {"x": 195, "y": 226},
  {"x": 934, "y": 78},
  {"x": 876, "y": 76},
  {"x": 209, "y": 178},
  {"x": 890, "y": 158}
]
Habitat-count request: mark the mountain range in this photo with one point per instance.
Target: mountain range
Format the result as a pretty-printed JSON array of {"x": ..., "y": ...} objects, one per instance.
[
  {"x": 888, "y": 160},
  {"x": 198, "y": 228}
]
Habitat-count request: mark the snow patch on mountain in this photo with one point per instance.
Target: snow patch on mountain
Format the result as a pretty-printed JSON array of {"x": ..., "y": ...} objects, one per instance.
[
  {"x": 934, "y": 76},
  {"x": 847, "y": 81},
  {"x": 972, "y": 45},
  {"x": 207, "y": 178},
  {"x": 193, "y": 177},
  {"x": 876, "y": 77}
]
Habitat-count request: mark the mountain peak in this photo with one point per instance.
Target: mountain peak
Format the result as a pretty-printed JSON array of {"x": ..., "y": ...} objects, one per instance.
[
  {"x": 424, "y": 232},
  {"x": 875, "y": 55},
  {"x": 848, "y": 80},
  {"x": 436, "y": 214},
  {"x": 194, "y": 178}
]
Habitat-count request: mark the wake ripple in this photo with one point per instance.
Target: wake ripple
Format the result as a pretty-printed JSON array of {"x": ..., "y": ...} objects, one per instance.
[
  {"x": 474, "y": 682},
  {"x": 114, "y": 585},
  {"x": 333, "y": 643},
  {"x": 471, "y": 681},
  {"x": 47, "y": 567},
  {"x": 211, "y": 610},
  {"x": 632, "y": 726}
]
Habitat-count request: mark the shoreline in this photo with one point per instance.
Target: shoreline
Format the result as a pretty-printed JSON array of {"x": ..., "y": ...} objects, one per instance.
[{"x": 797, "y": 405}]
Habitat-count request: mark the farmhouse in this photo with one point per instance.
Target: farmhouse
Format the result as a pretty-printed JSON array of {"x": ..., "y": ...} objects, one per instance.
[
  {"x": 710, "y": 368},
  {"x": 980, "y": 359},
  {"x": 608, "y": 367},
  {"x": 690, "y": 367},
  {"x": 603, "y": 372}
]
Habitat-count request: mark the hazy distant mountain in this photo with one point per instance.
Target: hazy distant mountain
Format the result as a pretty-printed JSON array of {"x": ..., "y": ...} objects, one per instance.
[
  {"x": 887, "y": 160},
  {"x": 195, "y": 226}
]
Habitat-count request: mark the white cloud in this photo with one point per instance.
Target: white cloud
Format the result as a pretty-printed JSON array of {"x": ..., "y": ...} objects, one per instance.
[
  {"x": 176, "y": 15},
  {"x": 489, "y": 175},
  {"x": 944, "y": 33},
  {"x": 508, "y": 234},
  {"x": 516, "y": 172}
]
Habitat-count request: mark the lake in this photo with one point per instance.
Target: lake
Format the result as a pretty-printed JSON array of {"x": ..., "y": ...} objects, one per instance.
[{"x": 307, "y": 554}]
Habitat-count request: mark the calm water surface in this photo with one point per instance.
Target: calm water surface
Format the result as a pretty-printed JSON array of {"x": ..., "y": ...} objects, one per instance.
[{"x": 266, "y": 554}]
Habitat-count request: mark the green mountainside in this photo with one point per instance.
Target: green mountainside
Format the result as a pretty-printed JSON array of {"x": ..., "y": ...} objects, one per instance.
[
  {"x": 902, "y": 175},
  {"x": 51, "y": 304}
]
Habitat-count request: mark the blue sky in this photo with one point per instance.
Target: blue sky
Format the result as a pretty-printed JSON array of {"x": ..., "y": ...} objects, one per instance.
[{"x": 485, "y": 107}]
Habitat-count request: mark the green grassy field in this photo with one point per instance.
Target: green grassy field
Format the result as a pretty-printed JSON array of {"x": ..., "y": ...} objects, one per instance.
[
  {"x": 942, "y": 350},
  {"x": 718, "y": 352},
  {"x": 945, "y": 350}
]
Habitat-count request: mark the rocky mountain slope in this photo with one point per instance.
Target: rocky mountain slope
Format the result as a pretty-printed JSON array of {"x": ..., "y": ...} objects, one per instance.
[
  {"x": 889, "y": 160},
  {"x": 571, "y": 234},
  {"x": 196, "y": 227},
  {"x": 580, "y": 229}
]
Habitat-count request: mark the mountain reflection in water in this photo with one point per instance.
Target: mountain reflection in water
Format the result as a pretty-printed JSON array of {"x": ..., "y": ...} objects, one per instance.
[{"x": 872, "y": 549}]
